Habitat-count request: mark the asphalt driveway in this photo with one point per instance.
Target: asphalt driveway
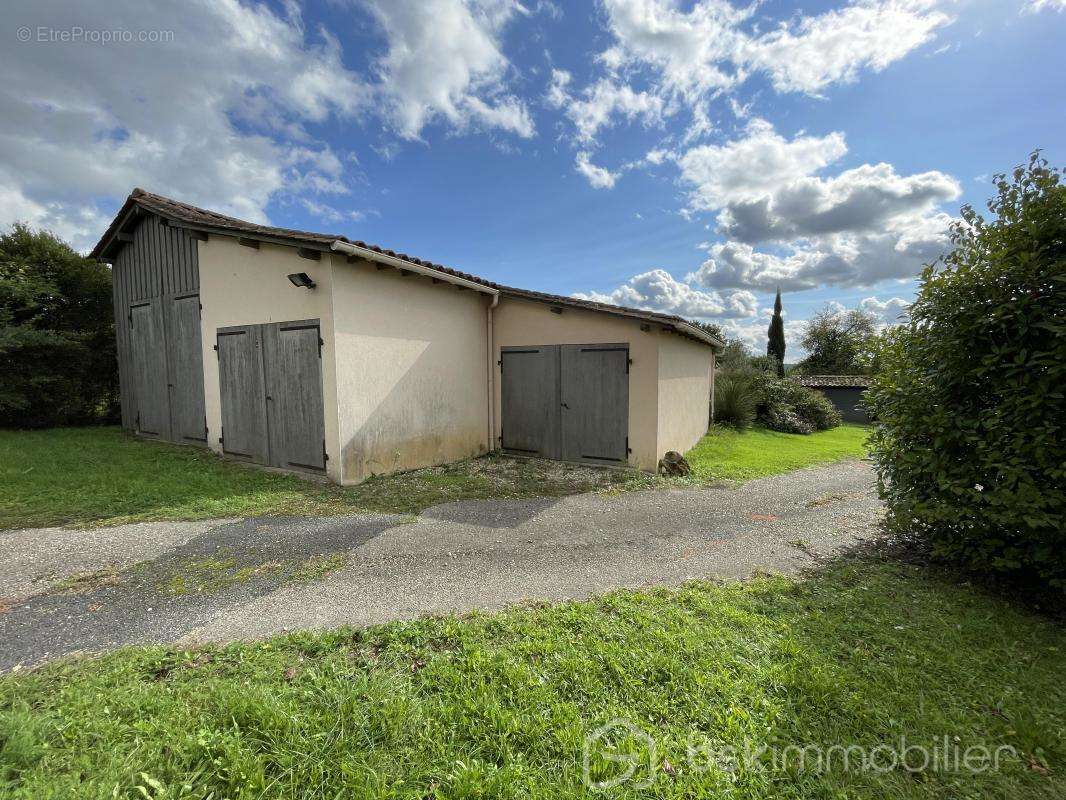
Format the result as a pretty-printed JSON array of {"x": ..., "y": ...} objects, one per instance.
[{"x": 64, "y": 591}]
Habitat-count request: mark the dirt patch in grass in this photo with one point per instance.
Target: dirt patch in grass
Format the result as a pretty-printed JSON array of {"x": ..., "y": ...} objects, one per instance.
[{"x": 490, "y": 476}]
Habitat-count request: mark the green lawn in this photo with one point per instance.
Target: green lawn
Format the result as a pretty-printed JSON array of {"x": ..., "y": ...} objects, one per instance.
[
  {"x": 725, "y": 453},
  {"x": 103, "y": 476},
  {"x": 866, "y": 653}
]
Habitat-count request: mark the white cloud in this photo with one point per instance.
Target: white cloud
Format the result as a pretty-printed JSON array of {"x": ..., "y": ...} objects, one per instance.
[
  {"x": 754, "y": 333},
  {"x": 445, "y": 61},
  {"x": 748, "y": 168},
  {"x": 599, "y": 177},
  {"x": 331, "y": 214},
  {"x": 699, "y": 51},
  {"x": 706, "y": 49},
  {"x": 835, "y": 46},
  {"x": 558, "y": 94},
  {"x": 856, "y": 228},
  {"x": 78, "y": 224},
  {"x": 693, "y": 52},
  {"x": 600, "y": 102},
  {"x": 1036, "y": 6},
  {"x": 658, "y": 290},
  {"x": 888, "y": 312},
  {"x": 840, "y": 260},
  {"x": 82, "y": 123},
  {"x": 867, "y": 198},
  {"x": 222, "y": 115}
]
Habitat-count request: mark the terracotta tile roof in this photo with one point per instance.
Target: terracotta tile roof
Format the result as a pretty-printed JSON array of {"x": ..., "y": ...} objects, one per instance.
[
  {"x": 203, "y": 219},
  {"x": 843, "y": 381}
]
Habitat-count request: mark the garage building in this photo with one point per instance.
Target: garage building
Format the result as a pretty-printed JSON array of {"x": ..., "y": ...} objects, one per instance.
[
  {"x": 845, "y": 392},
  {"x": 313, "y": 352}
]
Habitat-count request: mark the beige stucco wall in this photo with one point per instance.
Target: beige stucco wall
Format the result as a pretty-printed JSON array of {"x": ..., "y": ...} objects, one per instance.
[
  {"x": 412, "y": 370},
  {"x": 243, "y": 286},
  {"x": 685, "y": 375},
  {"x": 522, "y": 322},
  {"x": 405, "y": 362}
]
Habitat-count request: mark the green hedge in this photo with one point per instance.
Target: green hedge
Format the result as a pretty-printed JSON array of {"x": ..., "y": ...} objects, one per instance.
[
  {"x": 969, "y": 399},
  {"x": 57, "y": 340}
]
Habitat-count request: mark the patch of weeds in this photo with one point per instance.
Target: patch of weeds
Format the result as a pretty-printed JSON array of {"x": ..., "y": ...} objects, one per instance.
[
  {"x": 85, "y": 582},
  {"x": 216, "y": 574},
  {"x": 318, "y": 566},
  {"x": 826, "y": 499}
]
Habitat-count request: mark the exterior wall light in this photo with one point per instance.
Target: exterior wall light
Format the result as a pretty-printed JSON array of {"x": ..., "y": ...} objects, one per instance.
[{"x": 302, "y": 279}]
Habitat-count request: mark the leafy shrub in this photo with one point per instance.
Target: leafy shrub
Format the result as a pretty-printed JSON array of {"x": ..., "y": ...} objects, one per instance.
[
  {"x": 969, "y": 398},
  {"x": 814, "y": 407},
  {"x": 783, "y": 405},
  {"x": 782, "y": 417},
  {"x": 734, "y": 402}
]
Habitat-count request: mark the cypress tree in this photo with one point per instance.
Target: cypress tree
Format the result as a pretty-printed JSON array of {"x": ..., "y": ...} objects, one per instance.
[{"x": 775, "y": 345}]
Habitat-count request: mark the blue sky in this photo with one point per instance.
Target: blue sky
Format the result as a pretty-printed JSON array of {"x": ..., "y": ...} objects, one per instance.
[{"x": 683, "y": 155}]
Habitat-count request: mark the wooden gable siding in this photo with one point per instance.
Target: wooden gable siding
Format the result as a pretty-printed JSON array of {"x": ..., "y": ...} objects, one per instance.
[{"x": 159, "y": 264}]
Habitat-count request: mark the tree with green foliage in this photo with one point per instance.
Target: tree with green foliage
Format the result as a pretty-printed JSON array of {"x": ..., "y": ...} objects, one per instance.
[
  {"x": 57, "y": 341},
  {"x": 775, "y": 345},
  {"x": 734, "y": 355},
  {"x": 969, "y": 397},
  {"x": 838, "y": 343}
]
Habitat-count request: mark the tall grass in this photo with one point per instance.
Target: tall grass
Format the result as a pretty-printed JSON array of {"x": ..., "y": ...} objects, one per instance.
[{"x": 734, "y": 400}]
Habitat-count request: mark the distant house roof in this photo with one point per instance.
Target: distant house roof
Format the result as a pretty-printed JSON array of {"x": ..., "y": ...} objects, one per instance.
[
  {"x": 207, "y": 221},
  {"x": 841, "y": 381}
]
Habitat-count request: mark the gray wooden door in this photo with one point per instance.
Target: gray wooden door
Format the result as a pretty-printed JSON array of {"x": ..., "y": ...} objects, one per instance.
[
  {"x": 148, "y": 360},
  {"x": 185, "y": 362},
  {"x": 293, "y": 362},
  {"x": 242, "y": 392},
  {"x": 594, "y": 403},
  {"x": 529, "y": 399}
]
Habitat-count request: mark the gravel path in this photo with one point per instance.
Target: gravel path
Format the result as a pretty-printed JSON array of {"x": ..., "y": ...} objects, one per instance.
[{"x": 64, "y": 591}]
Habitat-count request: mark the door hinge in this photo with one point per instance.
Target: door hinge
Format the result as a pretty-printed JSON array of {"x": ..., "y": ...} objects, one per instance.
[
  {"x": 628, "y": 451},
  {"x": 205, "y": 427},
  {"x": 222, "y": 436},
  {"x": 200, "y": 310},
  {"x": 628, "y": 362},
  {"x": 500, "y": 363},
  {"x": 325, "y": 455},
  {"x": 215, "y": 348},
  {"x": 320, "y": 343}
]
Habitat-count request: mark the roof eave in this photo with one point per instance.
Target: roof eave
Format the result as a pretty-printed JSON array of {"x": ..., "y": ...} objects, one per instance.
[
  {"x": 697, "y": 332},
  {"x": 350, "y": 249}
]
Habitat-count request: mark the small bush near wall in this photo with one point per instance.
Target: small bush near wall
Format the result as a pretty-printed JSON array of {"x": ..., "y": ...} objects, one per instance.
[
  {"x": 734, "y": 400},
  {"x": 744, "y": 396},
  {"x": 57, "y": 341},
  {"x": 969, "y": 397}
]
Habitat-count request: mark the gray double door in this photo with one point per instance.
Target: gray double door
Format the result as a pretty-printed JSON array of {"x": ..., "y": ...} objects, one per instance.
[
  {"x": 167, "y": 362},
  {"x": 567, "y": 402},
  {"x": 270, "y": 382}
]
